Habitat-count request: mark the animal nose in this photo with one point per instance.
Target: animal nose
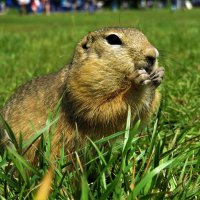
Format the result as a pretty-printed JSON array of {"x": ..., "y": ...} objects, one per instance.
[{"x": 151, "y": 54}]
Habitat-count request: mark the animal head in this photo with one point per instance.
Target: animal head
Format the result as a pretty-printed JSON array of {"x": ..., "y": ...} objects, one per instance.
[{"x": 118, "y": 48}]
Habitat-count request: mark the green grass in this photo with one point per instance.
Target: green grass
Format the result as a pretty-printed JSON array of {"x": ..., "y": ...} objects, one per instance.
[{"x": 161, "y": 163}]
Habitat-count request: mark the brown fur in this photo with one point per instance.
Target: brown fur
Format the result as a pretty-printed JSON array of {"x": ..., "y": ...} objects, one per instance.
[{"x": 96, "y": 91}]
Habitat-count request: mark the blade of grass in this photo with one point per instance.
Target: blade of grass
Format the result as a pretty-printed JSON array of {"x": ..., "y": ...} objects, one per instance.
[
  {"x": 84, "y": 189},
  {"x": 128, "y": 127},
  {"x": 9, "y": 133},
  {"x": 20, "y": 161},
  {"x": 147, "y": 178},
  {"x": 35, "y": 136},
  {"x": 98, "y": 151}
]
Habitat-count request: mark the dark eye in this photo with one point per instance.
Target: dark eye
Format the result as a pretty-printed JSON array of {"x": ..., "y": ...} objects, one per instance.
[
  {"x": 84, "y": 46},
  {"x": 113, "y": 39}
]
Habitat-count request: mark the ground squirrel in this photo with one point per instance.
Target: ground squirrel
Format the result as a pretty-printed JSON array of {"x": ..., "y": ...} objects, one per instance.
[{"x": 111, "y": 69}]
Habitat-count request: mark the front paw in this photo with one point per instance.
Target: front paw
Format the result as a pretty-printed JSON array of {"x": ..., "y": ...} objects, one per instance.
[
  {"x": 139, "y": 77},
  {"x": 157, "y": 76}
]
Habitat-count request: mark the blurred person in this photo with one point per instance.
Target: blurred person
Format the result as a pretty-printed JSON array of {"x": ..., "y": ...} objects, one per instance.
[
  {"x": 173, "y": 5},
  {"x": 80, "y": 5},
  {"x": 55, "y": 5},
  {"x": 149, "y": 3},
  {"x": 188, "y": 5},
  {"x": 146, "y": 4},
  {"x": 114, "y": 5},
  {"x": 35, "y": 6},
  {"x": 92, "y": 6},
  {"x": 66, "y": 5},
  {"x": 46, "y": 6},
  {"x": 24, "y": 6},
  {"x": 10, "y": 3},
  {"x": 162, "y": 3},
  {"x": 178, "y": 4},
  {"x": 125, "y": 5},
  {"x": 74, "y": 5},
  {"x": 143, "y": 4},
  {"x": 99, "y": 5},
  {"x": 2, "y": 6}
]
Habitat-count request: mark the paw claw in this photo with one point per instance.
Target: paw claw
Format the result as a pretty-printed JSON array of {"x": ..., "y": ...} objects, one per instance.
[
  {"x": 140, "y": 77},
  {"x": 157, "y": 76},
  {"x": 146, "y": 82}
]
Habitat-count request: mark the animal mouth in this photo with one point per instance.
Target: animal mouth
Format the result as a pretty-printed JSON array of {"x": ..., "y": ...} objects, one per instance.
[
  {"x": 150, "y": 64},
  {"x": 149, "y": 69},
  {"x": 146, "y": 66}
]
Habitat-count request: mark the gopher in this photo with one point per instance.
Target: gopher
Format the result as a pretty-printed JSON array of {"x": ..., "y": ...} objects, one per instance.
[{"x": 112, "y": 69}]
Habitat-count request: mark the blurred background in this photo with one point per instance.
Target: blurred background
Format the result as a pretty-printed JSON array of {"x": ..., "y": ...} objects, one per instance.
[{"x": 49, "y": 6}]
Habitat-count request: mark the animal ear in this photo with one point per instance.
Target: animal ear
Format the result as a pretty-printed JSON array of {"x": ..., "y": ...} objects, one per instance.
[
  {"x": 84, "y": 43},
  {"x": 87, "y": 41}
]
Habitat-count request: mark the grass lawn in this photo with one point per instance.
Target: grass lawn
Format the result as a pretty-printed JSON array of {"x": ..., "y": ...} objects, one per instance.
[{"x": 163, "y": 162}]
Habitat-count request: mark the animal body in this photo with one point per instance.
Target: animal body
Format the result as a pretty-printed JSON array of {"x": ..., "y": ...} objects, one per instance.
[{"x": 111, "y": 69}]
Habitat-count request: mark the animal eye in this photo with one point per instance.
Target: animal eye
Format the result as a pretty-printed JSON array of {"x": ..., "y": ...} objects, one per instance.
[
  {"x": 113, "y": 39},
  {"x": 84, "y": 46}
]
